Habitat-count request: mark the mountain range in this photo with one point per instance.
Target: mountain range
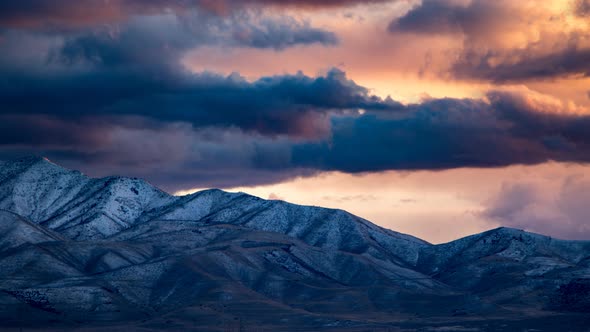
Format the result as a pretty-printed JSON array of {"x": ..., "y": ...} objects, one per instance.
[{"x": 118, "y": 253}]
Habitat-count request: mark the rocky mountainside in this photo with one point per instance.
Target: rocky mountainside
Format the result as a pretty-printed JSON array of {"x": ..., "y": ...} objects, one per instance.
[
  {"x": 510, "y": 267},
  {"x": 118, "y": 252}
]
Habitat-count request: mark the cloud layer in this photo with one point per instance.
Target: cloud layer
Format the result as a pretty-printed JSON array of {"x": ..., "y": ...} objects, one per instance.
[
  {"x": 506, "y": 41},
  {"x": 64, "y": 14},
  {"x": 106, "y": 83},
  {"x": 118, "y": 97},
  {"x": 287, "y": 126},
  {"x": 510, "y": 127}
]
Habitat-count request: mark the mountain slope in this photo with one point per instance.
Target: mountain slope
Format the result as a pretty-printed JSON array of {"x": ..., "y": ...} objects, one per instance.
[
  {"x": 16, "y": 231},
  {"x": 71, "y": 203},
  {"x": 159, "y": 273},
  {"x": 158, "y": 253},
  {"x": 508, "y": 266},
  {"x": 320, "y": 227},
  {"x": 81, "y": 208},
  {"x": 80, "y": 252}
]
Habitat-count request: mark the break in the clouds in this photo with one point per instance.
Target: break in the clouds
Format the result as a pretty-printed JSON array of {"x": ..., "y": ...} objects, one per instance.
[{"x": 506, "y": 41}]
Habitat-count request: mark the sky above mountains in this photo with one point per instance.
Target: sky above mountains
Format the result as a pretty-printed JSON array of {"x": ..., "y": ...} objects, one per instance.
[{"x": 436, "y": 117}]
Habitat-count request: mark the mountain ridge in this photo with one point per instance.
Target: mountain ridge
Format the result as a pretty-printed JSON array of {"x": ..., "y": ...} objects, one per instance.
[{"x": 113, "y": 250}]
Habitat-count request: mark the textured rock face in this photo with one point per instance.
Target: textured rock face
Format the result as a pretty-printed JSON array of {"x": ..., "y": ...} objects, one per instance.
[
  {"x": 508, "y": 266},
  {"x": 71, "y": 203},
  {"x": 81, "y": 208},
  {"x": 120, "y": 251}
]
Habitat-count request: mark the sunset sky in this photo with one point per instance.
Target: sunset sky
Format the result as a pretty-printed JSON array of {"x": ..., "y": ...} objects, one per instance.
[{"x": 437, "y": 118}]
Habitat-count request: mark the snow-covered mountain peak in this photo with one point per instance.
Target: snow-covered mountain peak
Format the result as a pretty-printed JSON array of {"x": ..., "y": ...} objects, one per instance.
[
  {"x": 504, "y": 244},
  {"x": 31, "y": 165},
  {"x": 72, "y": 203},
  {"x": 320, "y": 227},
  {"x": 76, "y": 248},
  {"x": 32, "y": 186},
  {"x": 84, "y": 208}
]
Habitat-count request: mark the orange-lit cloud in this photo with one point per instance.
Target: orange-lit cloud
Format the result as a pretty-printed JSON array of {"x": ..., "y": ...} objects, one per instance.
[{"x": 506, "y": 40}]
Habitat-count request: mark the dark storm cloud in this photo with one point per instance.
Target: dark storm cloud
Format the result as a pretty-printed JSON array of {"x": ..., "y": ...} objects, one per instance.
[
  {"x": 281, "y": 34},
  {"x": 447, "y": 16},
  {"x": 158, "y": 28},
  {"x": 46, "y": 131},
  {"x": 135, "y": 69},
  {"x": 431, "y": 17},
  {"x": 173, "y": 156},
  {"x": 530, "y": 66},
  {"x": 296, "y": 105},
  {"x": 450, "y": 133},
  {"x": 107, "y": 93},
  {"x": 504, "y": 129},
  {"x": 164, "y": 38}
]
